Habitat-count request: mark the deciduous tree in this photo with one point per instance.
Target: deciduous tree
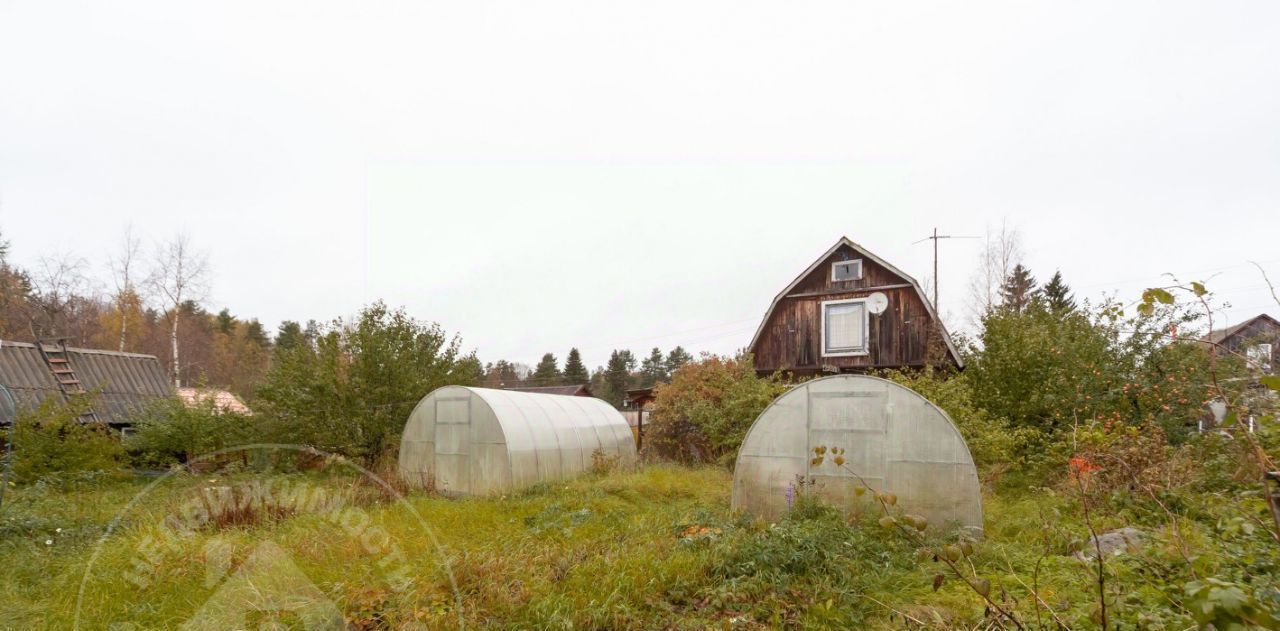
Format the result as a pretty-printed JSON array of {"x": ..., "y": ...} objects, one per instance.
[
  {"x": 353, "y": 392},
  {"x": 703, "y": 414},
  {"x": 127, "y": 296},
  {"x": 180, "y": 274}
]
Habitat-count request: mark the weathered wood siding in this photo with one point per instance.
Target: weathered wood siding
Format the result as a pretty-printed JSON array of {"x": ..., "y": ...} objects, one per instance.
[
  {"x": 1260, "y": 331},
  {"x": 791, "y": 338}
]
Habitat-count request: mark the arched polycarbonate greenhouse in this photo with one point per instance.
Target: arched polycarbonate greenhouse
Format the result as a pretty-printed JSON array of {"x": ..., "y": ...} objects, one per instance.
[
  {"x": 472, "y": 441},
  {"x": 892, "y": 437}
]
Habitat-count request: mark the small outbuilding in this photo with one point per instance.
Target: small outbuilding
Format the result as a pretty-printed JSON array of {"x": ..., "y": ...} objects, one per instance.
[
  {"x": 221, "y": 400},
  {"x": 473, "y": 441},
  {"x": 892, "y": 437},
  {"x": 120, "y": 384}
]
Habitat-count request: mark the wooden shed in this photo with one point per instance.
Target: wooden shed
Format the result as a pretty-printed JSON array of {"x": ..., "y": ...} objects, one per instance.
[
  {"x": 121, "y": 383},
  {"x": 851, "y": 311}
]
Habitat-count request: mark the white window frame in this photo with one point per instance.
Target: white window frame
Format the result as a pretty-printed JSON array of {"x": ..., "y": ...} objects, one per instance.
[
  {"x": 1259, "y": 356},
  {"x": 866, "y": 318},
  {"x": 845, "y": 280}
]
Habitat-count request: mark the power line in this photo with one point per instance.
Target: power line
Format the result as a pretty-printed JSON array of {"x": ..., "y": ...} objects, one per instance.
[{"x": 934, "y": 237}]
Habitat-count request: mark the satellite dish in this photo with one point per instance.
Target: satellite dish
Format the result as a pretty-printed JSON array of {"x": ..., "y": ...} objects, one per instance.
[{"x": 877, "y": 303}]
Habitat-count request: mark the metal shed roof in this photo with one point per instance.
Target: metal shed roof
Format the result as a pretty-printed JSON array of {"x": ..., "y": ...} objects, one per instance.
[{"x": 126, "y": 382}]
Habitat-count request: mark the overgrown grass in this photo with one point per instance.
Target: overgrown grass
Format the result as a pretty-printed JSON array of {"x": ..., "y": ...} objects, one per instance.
[{"x": 651, "y": 549}]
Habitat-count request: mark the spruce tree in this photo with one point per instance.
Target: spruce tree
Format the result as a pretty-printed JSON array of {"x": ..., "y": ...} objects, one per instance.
[
  {"x": 617, "y": 377},
  {"x": 628, "y": 359},
  {"x": 547, "y": 372},
  {"x": 226, "y": 322},
  {"x": 598, "y": 387},
  {"x": 1057, "y": 295},
  {"x": 677, "y": 358},
  {"x": 254, "y": 332},
  {"x": 290, "y": 336},
  {"x": 1018, "y": 290},
  {"x": 501, "y": 374},
  {"x": 653, "y": 369},
  {"x": 575, "y": 372}
]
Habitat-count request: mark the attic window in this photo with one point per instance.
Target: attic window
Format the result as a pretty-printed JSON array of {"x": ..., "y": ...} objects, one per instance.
[
  {"x": 844, "y": 328},
  {"x": 846, "y": 270}
]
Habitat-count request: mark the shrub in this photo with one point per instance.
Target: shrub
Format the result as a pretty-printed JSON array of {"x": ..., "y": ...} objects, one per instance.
[
  {"x": 51, "y": 439},
  {"x": 993, "y": 441},
  {"x": 703, "y": 414},
  {"x": 1114, "y": 456},
  {"x": 602, "y": 463},
  {"x": 351, "y": 392},
  {"x": 1053, "y": 371},
  {"x": 170, "y": 431}
]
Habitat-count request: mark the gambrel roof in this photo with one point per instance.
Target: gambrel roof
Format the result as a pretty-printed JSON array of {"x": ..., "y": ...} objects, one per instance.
[
  {"x": 845, "y": 242},
  {"x": 1218, "y": 336}
]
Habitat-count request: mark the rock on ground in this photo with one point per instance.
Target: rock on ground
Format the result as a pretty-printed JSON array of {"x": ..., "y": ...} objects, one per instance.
[{"x": 1113, "y": 543}]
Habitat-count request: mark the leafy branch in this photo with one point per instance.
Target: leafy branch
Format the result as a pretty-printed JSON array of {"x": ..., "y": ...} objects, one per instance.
[{"x": 912, "y": 528}]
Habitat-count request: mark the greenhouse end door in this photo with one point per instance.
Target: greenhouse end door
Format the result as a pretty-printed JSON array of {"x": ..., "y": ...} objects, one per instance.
[{"x": 453, "y": 443}]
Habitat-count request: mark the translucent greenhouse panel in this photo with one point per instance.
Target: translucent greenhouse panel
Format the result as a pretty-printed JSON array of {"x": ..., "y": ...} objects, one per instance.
[
  {"x": 760, "y": 484},
  {"x": 928, "y": 437},
  {"x": 476, "y": 440},
  {"x": 781, "y": 430},
  {"x": 485, "y": 429},
  {"x": 490, "y": 468},
  {"x": 545, "y": 439},
  {"x": 417, "y": 462},
  {"x": 568, "y": 438},
  {"x": 892, "y": 438}
]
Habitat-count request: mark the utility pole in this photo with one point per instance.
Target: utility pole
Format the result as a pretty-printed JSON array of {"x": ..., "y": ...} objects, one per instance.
[{"x": 934, "y": 237}]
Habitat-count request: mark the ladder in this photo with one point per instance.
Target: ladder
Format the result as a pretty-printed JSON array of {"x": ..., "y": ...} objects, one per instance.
[{"x": 59, "y": 361}]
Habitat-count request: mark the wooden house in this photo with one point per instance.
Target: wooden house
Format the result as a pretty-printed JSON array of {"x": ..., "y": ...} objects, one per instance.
[
  {"x": 1257, "y": 339},
  {"x": 851, "y": 311}
]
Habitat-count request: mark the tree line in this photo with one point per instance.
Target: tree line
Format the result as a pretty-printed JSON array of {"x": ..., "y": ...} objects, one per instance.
[
  {"x": 155, "y": 301},
  {"x": 609, "y": 382}
]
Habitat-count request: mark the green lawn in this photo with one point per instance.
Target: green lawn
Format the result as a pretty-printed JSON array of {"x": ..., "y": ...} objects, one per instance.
[{"x": 650, "y": 549}]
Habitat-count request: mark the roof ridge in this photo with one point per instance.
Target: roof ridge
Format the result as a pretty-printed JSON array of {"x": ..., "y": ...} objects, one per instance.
[{"x": 77, "y": 349}]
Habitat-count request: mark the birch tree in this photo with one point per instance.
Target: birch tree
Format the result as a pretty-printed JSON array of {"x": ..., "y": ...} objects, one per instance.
[
  {"x": 58, "y": 283},
  {"x": 1002, "y": 253},
  {"x": 179, "y": 275},
  {"x": 124, "y": 273}
]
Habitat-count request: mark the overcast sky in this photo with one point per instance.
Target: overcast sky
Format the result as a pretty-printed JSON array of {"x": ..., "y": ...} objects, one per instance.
[{"x": 544, "y": 174}]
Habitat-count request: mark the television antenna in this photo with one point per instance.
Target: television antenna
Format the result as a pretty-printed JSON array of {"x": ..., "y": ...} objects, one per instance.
[{"x": 934, "y": 237}]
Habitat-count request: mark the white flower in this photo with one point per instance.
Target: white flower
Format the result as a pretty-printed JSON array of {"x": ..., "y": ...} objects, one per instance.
[
  {"x": 57, "y": 530},
  {"x": 48, "y": 542}
]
